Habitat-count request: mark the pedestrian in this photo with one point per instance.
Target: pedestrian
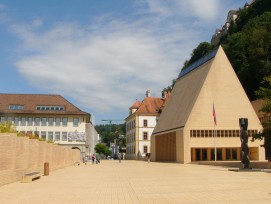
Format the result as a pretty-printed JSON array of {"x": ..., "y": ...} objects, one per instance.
[
  {"x": 93, "y": 157},
  {"x": 119, "y": 157},
  {"x": 86, "y": 160},
  {"x": 97, "y": 159},
  {"x": 148, "y": 156}
]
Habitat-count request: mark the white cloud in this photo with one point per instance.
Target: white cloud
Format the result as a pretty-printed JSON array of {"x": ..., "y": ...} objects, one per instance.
[
  {"x": 202, "y": 10},
  {"x": 109, "y": 63},
  {"x": 104, "y": 66}
]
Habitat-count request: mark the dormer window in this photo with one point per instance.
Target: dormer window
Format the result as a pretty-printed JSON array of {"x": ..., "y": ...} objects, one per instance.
[
  {"x": 50, "y": 108},
  {"x": 16, "y": 107}
]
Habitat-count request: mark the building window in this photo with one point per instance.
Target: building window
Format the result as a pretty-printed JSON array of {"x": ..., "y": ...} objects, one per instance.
[
  {"x": 16, "y": 121},
  {"x": 51, "y": 121},
  {"x": 75, "y": 122},
  {"x": 16, "y": 107},
  {"x": 3, "y": 119},
  {"x": 57, "y": 136},
  {"x": 10, "y": 119},
  {"x": 23, "y": 121},
  {"x": 145, "y": 123},
  {"x": 37, "y": 121},
  {"x": 57, "y": 123},
  {"x": 43, "y": 121},
  {"x": 50, "y": 108},
  {"x": 50, "y": 136},
  {"x": 43, "y": 135},
  {"x": 29, "y": 121},
  {"x": 145, "y": 135},
  {"x": 64, "y": 136},
  {"x": 145, "y": 149},
  {"x": 64, "y": 121}
]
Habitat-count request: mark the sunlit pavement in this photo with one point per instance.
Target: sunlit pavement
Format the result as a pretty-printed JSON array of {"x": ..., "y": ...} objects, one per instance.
[{"x": 141, "y": 182}]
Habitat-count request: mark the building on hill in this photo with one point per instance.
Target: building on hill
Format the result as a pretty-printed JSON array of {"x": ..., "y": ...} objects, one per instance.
[
  {"x": 185, "y": 130},
  {"x": 51, "y": 117},
  {"x": 231, "y": 18},
  {"x": 140, "y": 123}
]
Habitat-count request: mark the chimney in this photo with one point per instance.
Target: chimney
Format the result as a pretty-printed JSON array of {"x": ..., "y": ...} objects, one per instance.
[{"x": 148, "y": 93}]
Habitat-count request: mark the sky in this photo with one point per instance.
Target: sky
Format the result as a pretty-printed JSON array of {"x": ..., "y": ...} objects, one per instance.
[{"x": 102, "y": 55}]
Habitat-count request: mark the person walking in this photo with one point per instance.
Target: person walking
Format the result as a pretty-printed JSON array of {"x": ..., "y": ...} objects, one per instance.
[
  {"x": 93, "y": 157},
  {"x": 119, "y": 157},
  {"x": 149, "y": 157},
  {"x": 97, "y": 159}
]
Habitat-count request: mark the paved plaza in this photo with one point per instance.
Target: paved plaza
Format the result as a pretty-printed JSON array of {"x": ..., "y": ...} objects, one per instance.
[{"x": 141, "y": 182}]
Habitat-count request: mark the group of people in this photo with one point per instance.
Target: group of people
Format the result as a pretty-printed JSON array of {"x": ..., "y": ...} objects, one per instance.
[{"x": 95, "y": 158}]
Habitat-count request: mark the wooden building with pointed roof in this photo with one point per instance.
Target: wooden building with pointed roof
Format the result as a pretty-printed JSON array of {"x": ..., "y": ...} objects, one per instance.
[{"x": 185, "y": 130}]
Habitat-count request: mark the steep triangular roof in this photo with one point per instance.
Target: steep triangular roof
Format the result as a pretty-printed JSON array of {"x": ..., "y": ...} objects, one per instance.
[{"x": 213, "y": 81}]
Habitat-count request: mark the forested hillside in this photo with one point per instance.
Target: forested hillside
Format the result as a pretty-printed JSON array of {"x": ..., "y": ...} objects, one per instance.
[
  {"x": 110, "y": 132},
  {"x": 247, "y": 45}
]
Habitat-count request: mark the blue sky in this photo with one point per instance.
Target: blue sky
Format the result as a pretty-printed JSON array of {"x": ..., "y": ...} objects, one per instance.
[{"x": 102, "y": 55}]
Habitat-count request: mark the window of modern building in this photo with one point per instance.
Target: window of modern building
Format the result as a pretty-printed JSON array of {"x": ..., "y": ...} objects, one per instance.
[
  {"x": 16, "y": 121},
  {"x": 145, "y": 149},
  {"x": 3, "y": 119},
  {"x": 10, "y": 119},
  {"x": 145, "y": 135},
  {"x": 37, "y": 122},
  {"x": 23, "y": 121},
  {"x": 64, "y": 136},
  {"x": 64, "y": 121},
  {"x": 57, "y": 136},
  {"x": 29, "y": 121},
  {"x": 43, "y": 121},
  {"x": 50, "y": 136},
  {"x": 57, "y": 122},
  {"x": 50, "y": 121},
  {"x": 16, "y": 107},
  {"x": 145, "y": 123},
  {"x": 43, "y": 134},
  {"x": 75, "y": 122}
]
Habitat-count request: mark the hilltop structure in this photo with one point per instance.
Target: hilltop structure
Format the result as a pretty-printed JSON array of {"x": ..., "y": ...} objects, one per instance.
[
  {"x": 50, "y": 117},
  {"x": 231, "y": 18},
  {"x": 140, "y": 123},
  {"x": 201, "y": 119}
]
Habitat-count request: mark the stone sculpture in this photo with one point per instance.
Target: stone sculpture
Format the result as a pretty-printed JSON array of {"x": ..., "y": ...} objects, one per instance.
[{"x": 243, "y": 122}]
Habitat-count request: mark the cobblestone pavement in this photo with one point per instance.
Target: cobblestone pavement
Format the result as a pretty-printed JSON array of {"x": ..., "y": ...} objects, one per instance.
[{"x": 141, "y": 182}]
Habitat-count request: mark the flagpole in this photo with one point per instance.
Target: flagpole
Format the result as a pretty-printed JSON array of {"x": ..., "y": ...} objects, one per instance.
[
  {"x": 214, "y": 115},
  {"x": 215, "y": 141}
]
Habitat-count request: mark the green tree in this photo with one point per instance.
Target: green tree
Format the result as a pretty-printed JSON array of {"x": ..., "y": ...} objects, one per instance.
[
  {"x": 102, "y": 149},
  {"x": 202, "y": 49},
  {"x": 110, "y": 132},
  {"x": 265, "y": 94}
]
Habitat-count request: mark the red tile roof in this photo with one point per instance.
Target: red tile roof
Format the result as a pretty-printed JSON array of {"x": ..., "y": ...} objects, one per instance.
[
  {"x": 30, "y": 101},
  {"x": 150, "y": 105},
  {"x": 136, "y": 104}
]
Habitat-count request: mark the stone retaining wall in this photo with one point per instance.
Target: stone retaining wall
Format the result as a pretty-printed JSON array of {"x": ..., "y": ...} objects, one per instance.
[{"x": 20, "y": 155}]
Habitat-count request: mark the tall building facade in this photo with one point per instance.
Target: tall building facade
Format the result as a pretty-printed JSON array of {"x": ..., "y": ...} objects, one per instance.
[
  {"x": 140, "y": 123},
  {"x": 51, "y": 117}
]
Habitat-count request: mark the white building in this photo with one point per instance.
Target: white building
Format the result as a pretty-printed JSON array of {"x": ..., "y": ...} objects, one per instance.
[
  {"x": 140, "y": 124},
  {"x": 51, "y": 117}
]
